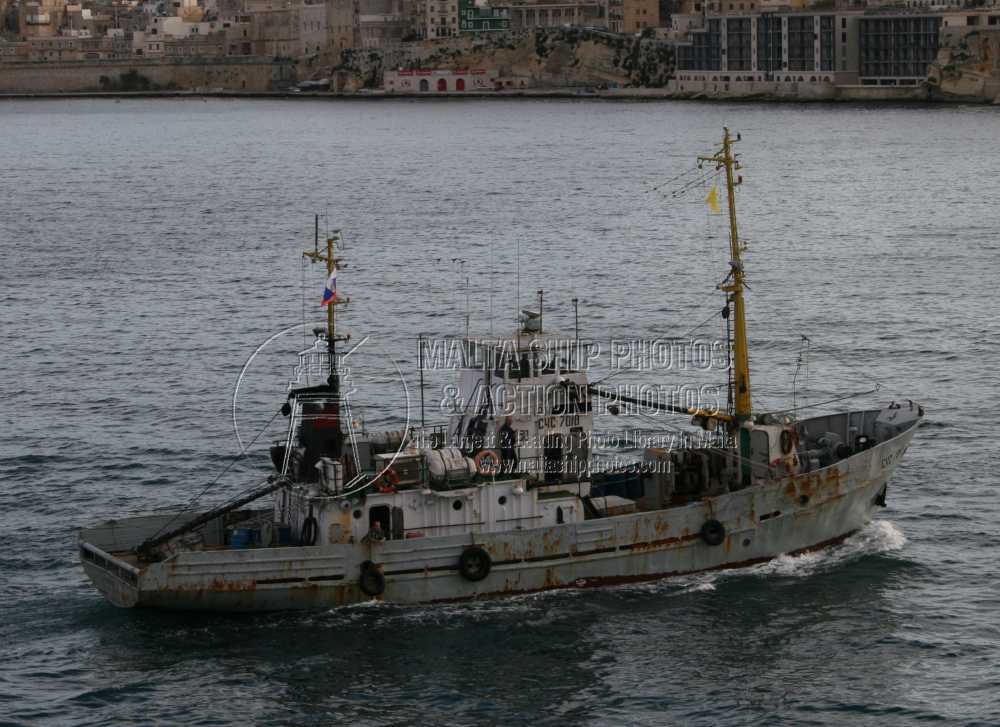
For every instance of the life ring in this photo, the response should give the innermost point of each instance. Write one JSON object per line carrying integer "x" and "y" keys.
{"x": 713, "y": 532}
{"x": 474, "y": 564}
{"x": 371, "y": 581}
{"x": 787, "y": 443}
{"x": 388, "y": 481}
{"x": 310, "y": 531}
{"x": 487, "y": 462}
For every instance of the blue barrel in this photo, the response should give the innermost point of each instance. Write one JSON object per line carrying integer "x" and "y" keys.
{"x": 240, "y": 538}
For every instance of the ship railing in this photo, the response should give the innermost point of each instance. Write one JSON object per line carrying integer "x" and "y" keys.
{"x": 108, "y": 563}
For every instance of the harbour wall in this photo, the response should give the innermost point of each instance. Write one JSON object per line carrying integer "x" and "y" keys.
{"x": 776, "y": 91}
{"x": 252, "y": 75}
{"x": 264, "y": 78}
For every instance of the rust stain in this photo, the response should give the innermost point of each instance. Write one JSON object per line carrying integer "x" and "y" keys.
{"x": 550, "y": 579}
{"x": 507, "y": 551}
{"x": 658, "y": 544}
{"x": 220, "y": 584}
{"x": 807, "y": 487}
{"x": 615, "y": 580}
{"x": 551, "y": 543}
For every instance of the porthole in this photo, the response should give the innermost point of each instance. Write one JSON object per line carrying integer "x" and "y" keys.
{"x": 457, "y": 505}
{"x": 358, "y": 514}
{"x": 502, "y": 499}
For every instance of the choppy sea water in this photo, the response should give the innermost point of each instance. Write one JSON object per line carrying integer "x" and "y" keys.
{"x": 151, "y": 246}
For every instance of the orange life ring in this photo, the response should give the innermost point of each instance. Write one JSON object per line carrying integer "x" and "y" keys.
{"x": 487, "y": 462}
{"x": 387, "y": 481}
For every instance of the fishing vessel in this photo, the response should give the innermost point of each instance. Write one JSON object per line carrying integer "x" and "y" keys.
{"x": 503, "y": 500}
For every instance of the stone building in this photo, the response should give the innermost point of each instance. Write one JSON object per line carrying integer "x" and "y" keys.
{"x": 211, "y": 45}
{"x": 556, "y": 14}
{"x": 441, "y": 81}
{"x": 637, "y": 15}
{"x": 276, "y": 28}
{"x": 381, "y": 23}
{"x": 40, "y": 18}
{"x": 441, "y": 18}
{"x": 343, "y": 25}
{"x": 312, "y": 28}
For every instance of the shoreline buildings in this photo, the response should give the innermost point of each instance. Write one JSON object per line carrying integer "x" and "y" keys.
{"x": 715, "y": 46}
{"x": 846, "y": 47}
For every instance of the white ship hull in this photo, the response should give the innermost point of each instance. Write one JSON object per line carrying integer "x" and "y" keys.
{"x": 789, "y": 515}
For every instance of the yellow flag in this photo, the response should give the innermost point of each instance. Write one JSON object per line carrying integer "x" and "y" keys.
{"x": 713, "y": 200}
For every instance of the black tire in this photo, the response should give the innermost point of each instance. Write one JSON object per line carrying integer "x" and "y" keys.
{"x": 371, "y": 581}
{"x": 310, "y": 531}
{"x": 474, "y": 564}
{"x": 880, "y": 497}
{"x": 713, "y": 532}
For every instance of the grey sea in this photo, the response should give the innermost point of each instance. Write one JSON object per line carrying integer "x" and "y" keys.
{"x": 151, "y": 247}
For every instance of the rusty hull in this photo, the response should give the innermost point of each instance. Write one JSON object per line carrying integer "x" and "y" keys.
{"x": 791, "y": 515}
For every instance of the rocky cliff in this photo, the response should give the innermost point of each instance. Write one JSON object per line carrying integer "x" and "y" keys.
{"x": 554, "y": 58}
{"x": 967, "y": 66}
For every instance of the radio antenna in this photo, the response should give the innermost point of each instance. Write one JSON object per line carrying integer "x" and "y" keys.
{"x": 517, "y": 285}
{"x": 491, "y": 291}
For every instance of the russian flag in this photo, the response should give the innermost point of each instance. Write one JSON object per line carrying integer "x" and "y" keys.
{"x": 330, "y": 294}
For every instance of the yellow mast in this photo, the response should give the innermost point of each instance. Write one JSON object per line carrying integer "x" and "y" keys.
{"x": 331, "y": 308}
{"x": 733, "y": 286}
